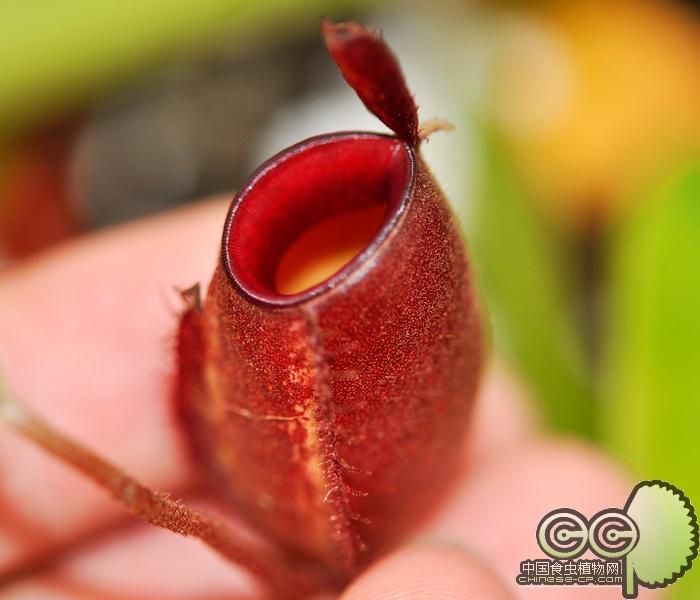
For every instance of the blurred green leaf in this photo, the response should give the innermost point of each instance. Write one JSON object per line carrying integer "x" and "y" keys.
{"x": 54, "y": 55}
{"x": 522, "y": 271}
{"x": 652, "y": 393}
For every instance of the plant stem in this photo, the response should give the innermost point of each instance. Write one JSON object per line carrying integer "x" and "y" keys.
{"x": 284, "y": 577}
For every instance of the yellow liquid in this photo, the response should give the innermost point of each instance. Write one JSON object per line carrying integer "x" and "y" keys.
{"x": 324, "y": 249}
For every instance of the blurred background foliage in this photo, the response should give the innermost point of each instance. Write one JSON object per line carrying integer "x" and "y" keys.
{"x": 574, "y": 167}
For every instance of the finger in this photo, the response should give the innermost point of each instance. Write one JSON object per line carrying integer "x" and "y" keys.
{"x": 504, "y": 414}
{"x": 91, "y": 329}
{"x": 428, "y": 571}
{"x": 500, "y": 501}
{"x": 140, "y": 562}
{"x": 86, "y": 336}
{"x": 95, "y": 361}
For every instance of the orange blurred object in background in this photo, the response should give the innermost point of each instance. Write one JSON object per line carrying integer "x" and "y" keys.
{"x": 597, "y": 98}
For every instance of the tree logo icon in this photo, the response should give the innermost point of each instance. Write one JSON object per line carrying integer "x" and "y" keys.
{"x": 668, "y": 536}
{"x": 651, "y": 542}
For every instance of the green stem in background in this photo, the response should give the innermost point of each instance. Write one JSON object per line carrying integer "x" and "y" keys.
{"x": 524, "y": 276}
{"x": 651, "y": 399}
{"x": 55, "y": 56}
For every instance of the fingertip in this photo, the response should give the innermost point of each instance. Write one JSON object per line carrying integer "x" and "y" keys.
{"x": 504, "y": 415}
{"x": 498, "y": 505}
{"x": 441, "y": 572}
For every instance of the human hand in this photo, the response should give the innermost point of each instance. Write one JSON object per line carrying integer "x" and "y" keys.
{"x": 86, "y": 334}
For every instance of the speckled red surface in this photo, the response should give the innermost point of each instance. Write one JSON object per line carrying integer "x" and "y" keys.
{"x": 333, "y": 418}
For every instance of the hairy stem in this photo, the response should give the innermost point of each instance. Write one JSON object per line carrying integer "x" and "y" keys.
{"x": 284, "y": 577}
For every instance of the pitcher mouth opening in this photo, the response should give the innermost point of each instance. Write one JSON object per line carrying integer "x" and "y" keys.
{"x": 340, "y": 178}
